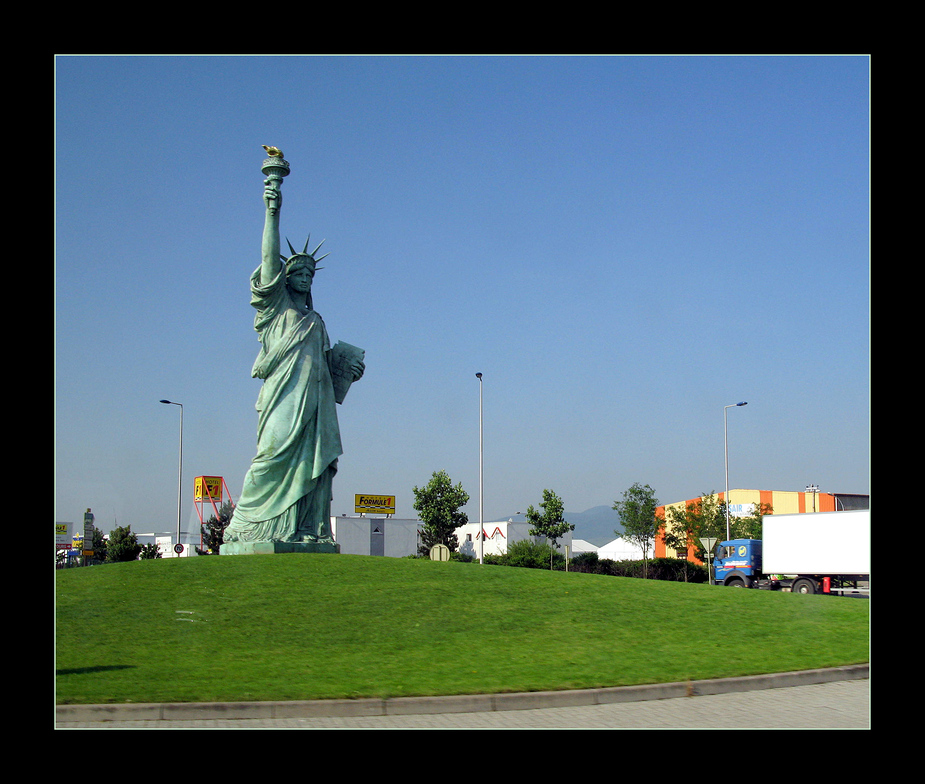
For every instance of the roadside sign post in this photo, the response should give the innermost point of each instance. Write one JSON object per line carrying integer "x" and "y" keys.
{"x": 709, "y": 542}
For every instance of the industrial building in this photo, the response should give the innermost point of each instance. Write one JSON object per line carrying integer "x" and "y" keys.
{"x": 387, "y": 536}
{"x": 743, "y": 503}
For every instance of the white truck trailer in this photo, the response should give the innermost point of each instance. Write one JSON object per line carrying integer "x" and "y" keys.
{"x": 823, "y": 552}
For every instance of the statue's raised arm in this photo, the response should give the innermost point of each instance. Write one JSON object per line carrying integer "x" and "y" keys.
{"x": 271, "y": 261}
{"x": 275, "y": 167}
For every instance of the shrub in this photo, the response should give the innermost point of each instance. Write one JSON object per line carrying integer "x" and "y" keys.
{"x": 671, "y": 569}
{"x": 677, "y": 570}
{"x": 585, "y": 562}
{"x": 528, "y": 554}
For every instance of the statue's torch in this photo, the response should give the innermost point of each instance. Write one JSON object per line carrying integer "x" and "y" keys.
{"x": 275, "y": 168}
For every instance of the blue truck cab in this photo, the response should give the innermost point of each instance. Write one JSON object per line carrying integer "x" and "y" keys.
{"x": 737, "y": 563}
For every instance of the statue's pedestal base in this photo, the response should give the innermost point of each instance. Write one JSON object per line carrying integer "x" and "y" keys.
{"x": 268, "y": 548}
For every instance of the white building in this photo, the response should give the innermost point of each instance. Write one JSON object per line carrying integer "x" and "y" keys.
{"x": 376, "y": 536}
{"x": 580, "y": 546}
{"x": 620, "y": 549}
{"x": 399, "y": 538}
{"x": 498, "y": 536}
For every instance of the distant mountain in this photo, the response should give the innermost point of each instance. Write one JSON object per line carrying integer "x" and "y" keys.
{"x": 595, "y": 525}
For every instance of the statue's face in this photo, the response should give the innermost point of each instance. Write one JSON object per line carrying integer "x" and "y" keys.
{"x": 300, "y": 280}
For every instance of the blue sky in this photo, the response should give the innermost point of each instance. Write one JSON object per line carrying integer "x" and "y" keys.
{"x": 621, "y": 245}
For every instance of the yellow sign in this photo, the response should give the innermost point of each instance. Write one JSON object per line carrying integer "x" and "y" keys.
{"x": 208, "y": 487}
{"x": 382, "y": 504}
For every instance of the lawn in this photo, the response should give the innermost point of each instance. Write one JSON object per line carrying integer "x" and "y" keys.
{"x": 300, "y": 627}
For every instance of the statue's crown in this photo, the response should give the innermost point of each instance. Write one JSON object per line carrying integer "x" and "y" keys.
{"x": 304, "y": 257}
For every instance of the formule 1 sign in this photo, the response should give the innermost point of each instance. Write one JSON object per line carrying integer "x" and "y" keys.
{"x": 375, "y": 504}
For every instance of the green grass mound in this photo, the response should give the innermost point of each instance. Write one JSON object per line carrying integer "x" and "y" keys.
{"x": 302, "y": 627}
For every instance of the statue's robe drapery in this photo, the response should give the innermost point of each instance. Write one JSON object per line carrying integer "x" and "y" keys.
{"x": 287, "y": 491}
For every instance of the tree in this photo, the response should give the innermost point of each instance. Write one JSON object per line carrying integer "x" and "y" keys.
{"x": 97, "y": 544}
{"x": 551, "y": 523}
{"x": 701, "y": 517}
{"x": 123, "y": 545}
{"x": 641, "y": 524}
{"x": 213, "y": 529}
{"x": 149, "y": 552}
{"x": 438, "y": 506}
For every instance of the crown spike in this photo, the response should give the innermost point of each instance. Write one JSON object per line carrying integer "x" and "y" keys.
{"x": 290, "y": 246}
{"x": 305, "y": 249}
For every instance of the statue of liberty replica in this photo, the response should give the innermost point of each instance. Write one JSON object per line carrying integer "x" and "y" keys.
{"x": 285, "y": 503}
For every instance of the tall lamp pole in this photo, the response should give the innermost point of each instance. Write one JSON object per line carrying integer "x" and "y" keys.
{"x": 180, "y": 470}
{"x": 813, "y": 489}
{"x": 481, "y": 495}
{"x": 726, "y": 451}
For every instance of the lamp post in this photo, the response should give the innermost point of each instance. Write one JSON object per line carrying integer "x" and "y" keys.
{"x": 180, "y": 470}
{"x": 726, "y": 451}
{"x": 813, "y": 489}
{"x": 481, "y": 505}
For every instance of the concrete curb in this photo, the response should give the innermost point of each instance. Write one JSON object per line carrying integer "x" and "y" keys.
{"x": 406, "y": 706}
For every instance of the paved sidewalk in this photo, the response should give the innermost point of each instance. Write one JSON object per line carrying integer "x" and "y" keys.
{"x": 818, "y": 699}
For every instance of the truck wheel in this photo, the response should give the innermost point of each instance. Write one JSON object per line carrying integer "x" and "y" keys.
{"x": 736, "y": 582}
{"x": 803, "y": 586}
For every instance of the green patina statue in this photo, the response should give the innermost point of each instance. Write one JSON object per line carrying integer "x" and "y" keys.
{"x": 285, "y": 504}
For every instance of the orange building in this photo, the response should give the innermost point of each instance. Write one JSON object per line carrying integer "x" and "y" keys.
{"x": 744, "y": 502}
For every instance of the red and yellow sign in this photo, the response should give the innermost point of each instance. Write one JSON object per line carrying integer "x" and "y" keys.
{"x": 208, "y": 487}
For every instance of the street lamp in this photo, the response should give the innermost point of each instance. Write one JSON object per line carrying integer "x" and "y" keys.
{"x": 180, "y": 472}
{"x": 726, "y": 450}
{"x": 481, "y": 495}
{"x": 813, "y": 489}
